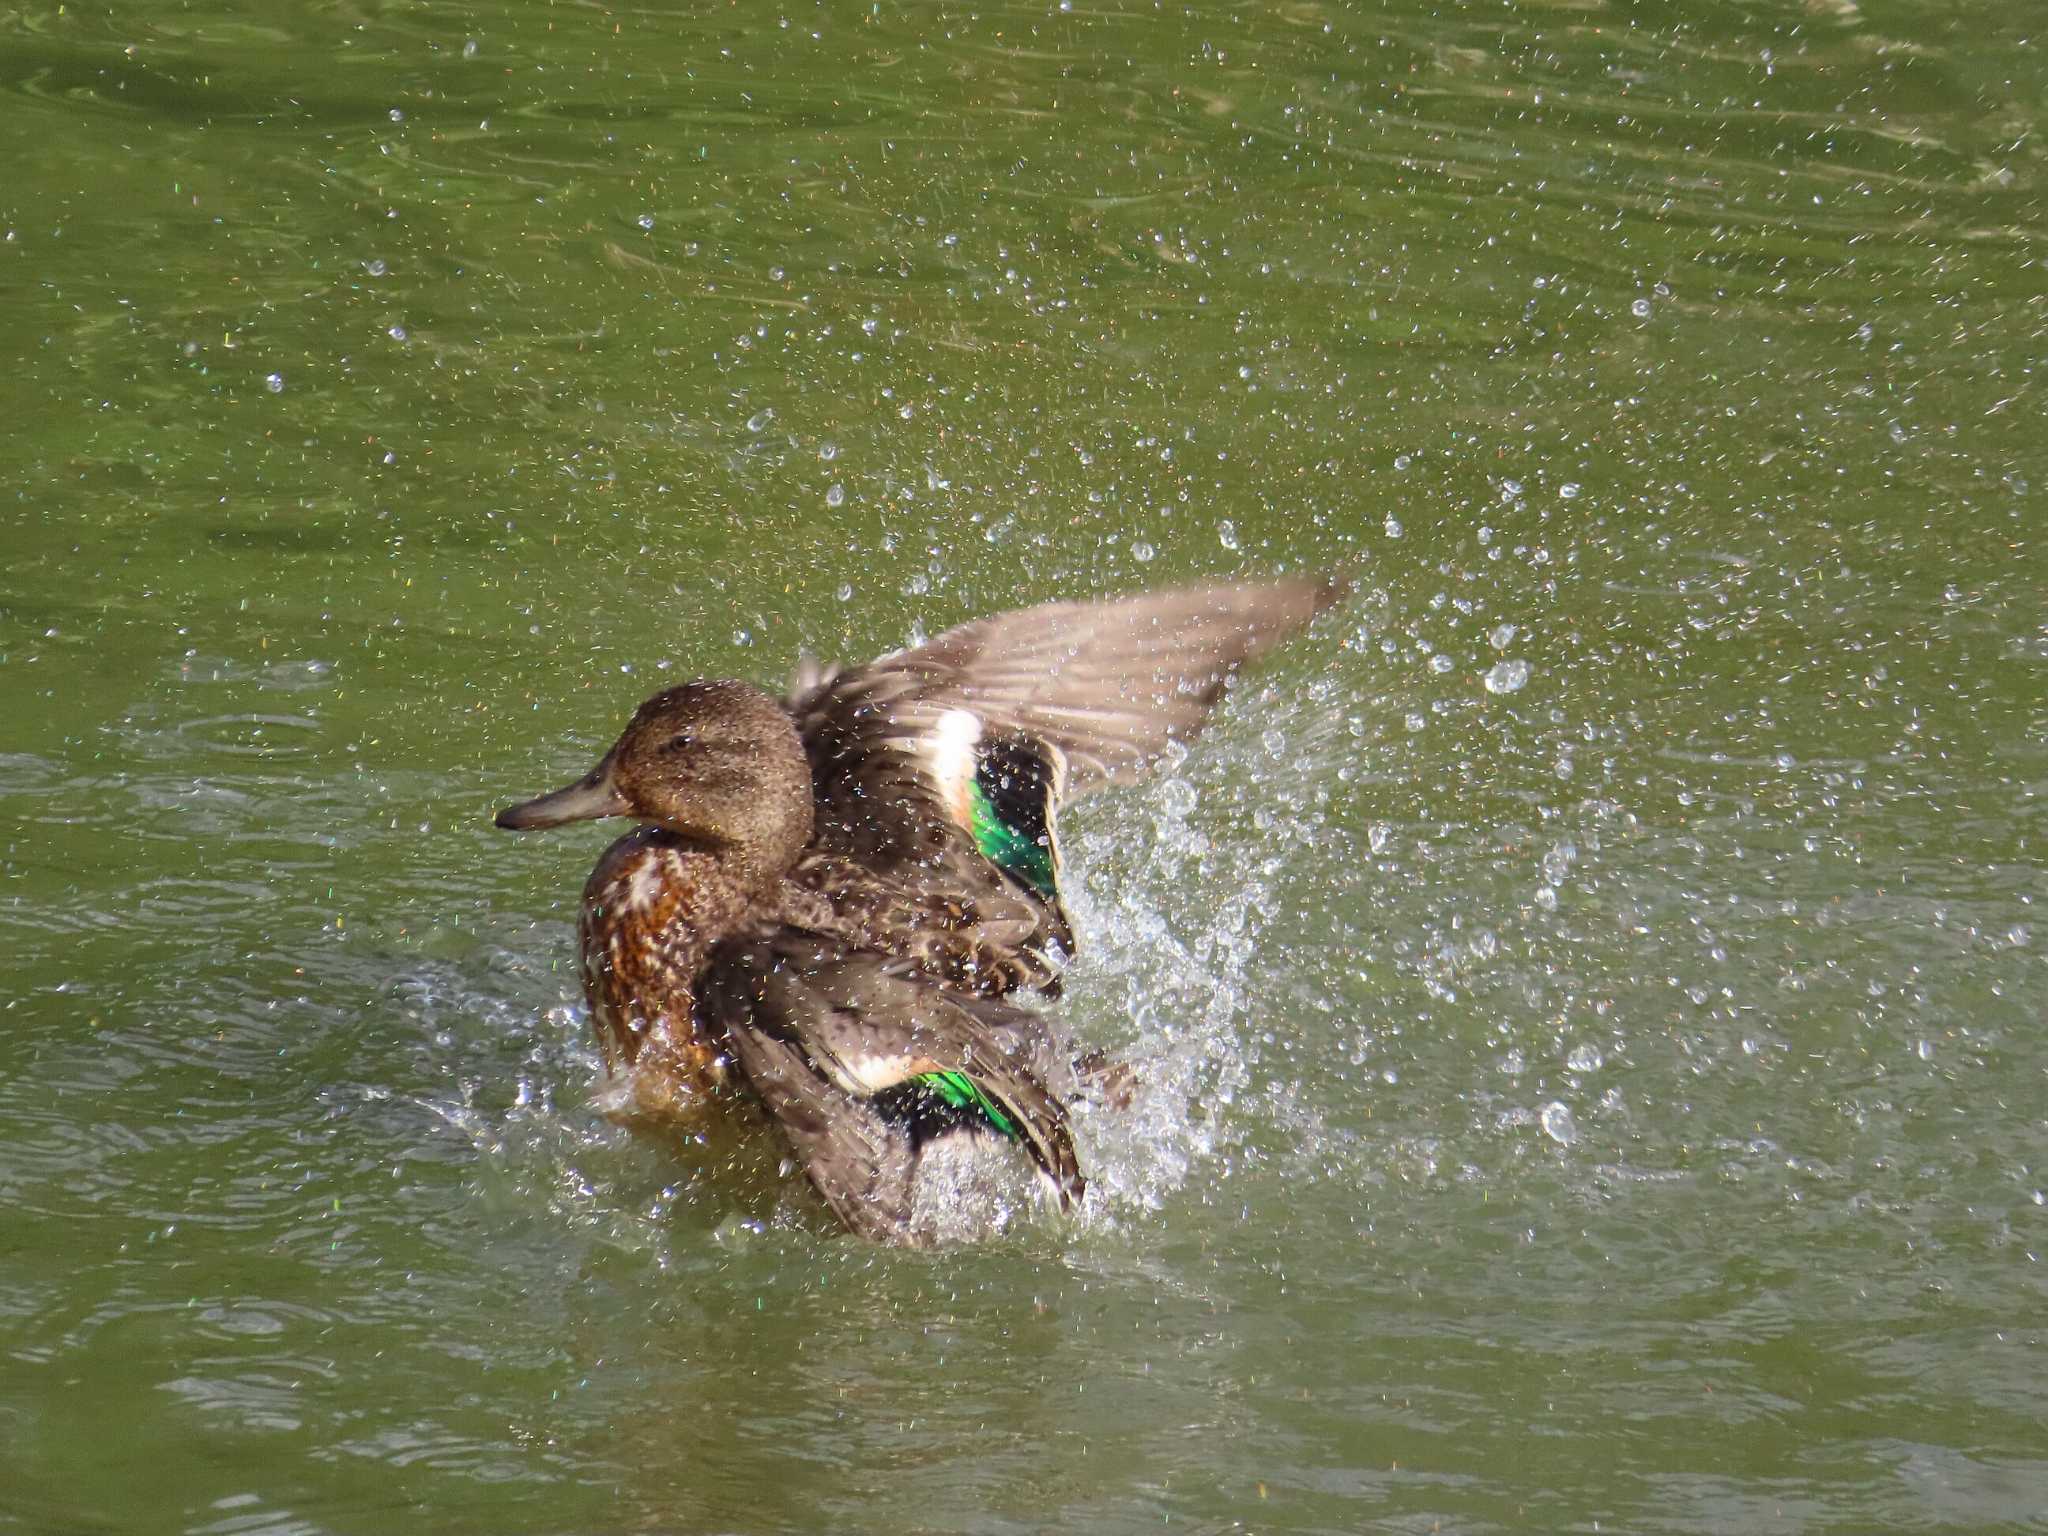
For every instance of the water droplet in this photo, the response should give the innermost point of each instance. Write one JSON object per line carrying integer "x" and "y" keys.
{"x": 396, "y": 115}
{"x": 1924, "y": 1049}
{"x": 469, "y": 48}
{"x": 1177, "y": 797}
{"x": 1640, "y": 309}
{"x": 1226, "y": 533}
{"x": 1142, "y": 552}
{"x": 375, "y": 266}
{"x": 835, "y": 496}
{"x": 1501, "y": 636}
{"x": 274, "y": 383}
{"x": 1585, "y": 1057}
{"x": 1514, "y": 1063}
{"x": 1558, "y": 1124}
{"x": 1393, "y": 526}
{"x": 828, "y": 451}
{"x": 1507, "y": 676}
{"x": 1415, "y": 723}
{"x": 645, "y": 221}
{"x": 1546, "y": 897}
{"x": 1378, "y": 836}
{"x": 758, "y": 422}
{"x": 396, "y": 333}
{"x": 1569, "y": 490}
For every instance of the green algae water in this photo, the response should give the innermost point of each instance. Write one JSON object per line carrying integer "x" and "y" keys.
{"x": 1586, "y": 998}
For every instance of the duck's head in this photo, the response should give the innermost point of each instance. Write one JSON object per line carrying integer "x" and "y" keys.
{"x": 718, "y": 762}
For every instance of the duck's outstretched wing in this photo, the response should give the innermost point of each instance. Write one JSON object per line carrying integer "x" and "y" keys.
{"x": 856, "y": 1057}
{"x": 986, "y": 729}
{"x": 1108, "y": 683}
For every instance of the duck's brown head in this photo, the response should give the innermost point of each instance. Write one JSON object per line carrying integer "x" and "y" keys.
{"x": 718, "y": 762}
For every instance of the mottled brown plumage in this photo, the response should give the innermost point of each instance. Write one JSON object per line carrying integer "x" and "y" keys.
{"x": 833, "y": 895}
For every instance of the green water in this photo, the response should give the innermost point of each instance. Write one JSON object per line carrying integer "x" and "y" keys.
{"x": 1610, "y": 1099}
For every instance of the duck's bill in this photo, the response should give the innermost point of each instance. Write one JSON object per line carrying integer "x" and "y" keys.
{"x": 587, "y": 799}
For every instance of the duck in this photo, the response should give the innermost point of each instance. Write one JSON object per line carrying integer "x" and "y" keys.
{"x": 839, "y": 904}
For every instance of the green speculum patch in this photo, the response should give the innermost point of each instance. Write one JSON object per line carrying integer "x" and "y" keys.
{"x": 959, "y": 1091}
{"x": 1010, "y": 847}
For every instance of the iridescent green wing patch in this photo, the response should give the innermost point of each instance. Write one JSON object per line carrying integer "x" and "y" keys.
{"x": 1011, "y": 806}
{"x": 959, "y": 1091}
{"x": 1004, "y": 845}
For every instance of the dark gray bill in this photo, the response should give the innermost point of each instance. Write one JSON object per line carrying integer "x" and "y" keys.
{"x": 590, "y": 797}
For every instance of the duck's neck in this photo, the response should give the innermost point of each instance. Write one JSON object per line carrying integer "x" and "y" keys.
{"x": 652, "y": 910}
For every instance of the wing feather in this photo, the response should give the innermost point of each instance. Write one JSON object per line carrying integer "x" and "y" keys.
{"x": 1104, "y": 687}
{"x": 819, "y": 1030}
{"x": 1109, "y": 684}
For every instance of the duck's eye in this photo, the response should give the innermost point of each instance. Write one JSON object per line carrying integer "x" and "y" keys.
{"x": 682, "y": 741}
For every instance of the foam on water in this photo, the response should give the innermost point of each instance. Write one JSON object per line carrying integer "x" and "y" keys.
{"x": 1180, "y": 883}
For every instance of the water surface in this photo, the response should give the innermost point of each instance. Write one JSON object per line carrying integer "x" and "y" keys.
{"x": 1587, "y": 994}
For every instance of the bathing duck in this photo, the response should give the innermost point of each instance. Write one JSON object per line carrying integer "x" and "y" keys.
{"x": 834, "y": 899}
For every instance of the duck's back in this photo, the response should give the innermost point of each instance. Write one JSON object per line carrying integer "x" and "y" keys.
{"x": 951, "y": 911}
